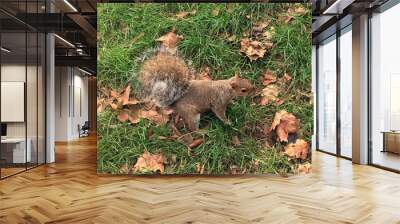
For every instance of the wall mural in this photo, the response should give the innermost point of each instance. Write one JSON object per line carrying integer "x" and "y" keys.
{"x": 204, "y": 89}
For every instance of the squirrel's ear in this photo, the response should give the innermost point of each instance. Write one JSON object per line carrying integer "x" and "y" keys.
{"x": 233, "y": 83}
{"x": 237, "y": 76}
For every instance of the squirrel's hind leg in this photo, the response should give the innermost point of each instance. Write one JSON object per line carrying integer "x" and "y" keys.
{"x": 193, "y": 121}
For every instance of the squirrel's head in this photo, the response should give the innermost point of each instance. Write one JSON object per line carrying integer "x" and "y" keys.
{"x": 242, "y": 87}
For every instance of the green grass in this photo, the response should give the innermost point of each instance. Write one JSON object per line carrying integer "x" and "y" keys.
{"x": 204, "y": 43}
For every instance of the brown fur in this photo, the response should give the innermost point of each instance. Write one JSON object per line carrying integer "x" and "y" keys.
{"x": 188, "y": 97}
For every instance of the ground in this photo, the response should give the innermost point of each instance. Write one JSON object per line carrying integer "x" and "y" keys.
{"x": 212, "y": 35}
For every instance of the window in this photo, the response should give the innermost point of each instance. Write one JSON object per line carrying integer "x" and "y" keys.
{"x": 346, "y": 92}
{"x": 385, "y": 89}
{"x": 327, "y": 95}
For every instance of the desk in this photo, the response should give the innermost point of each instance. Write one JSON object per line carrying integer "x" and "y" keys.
{"x": 391, "y": 141}
{"x": 13, "y": 150}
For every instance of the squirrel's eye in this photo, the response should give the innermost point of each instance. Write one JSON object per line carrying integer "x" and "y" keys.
{"x": 244, "y": 90}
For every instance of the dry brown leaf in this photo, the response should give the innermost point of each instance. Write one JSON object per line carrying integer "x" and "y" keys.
{"x": 284, "y": 123}
{"x": 124, "y": 98}
{"x": 170, "y": 40}
{"x": 123, "y": 116}
{"x": 196, "y": 143}
{"x": 232, "y": 38}
{"x": 234, "y": 169}
{"x": 123, "y": 28}
{"x": 279, "y": 102}
{"x": 253, "y": 49}
{"x": 200, "y": 168}
{"x": 205, "y": 73}
{"x": 287, "y": 77}
{"x": 268, "y": 78}
{"x": 229, "y": 7}
{"x": 300, "y": 10}
{"x": 304, "y": 168}
{"x": 259, "y": 27}
{"x": 269, "y": 94}
{"x": 154, "y": 116}
{"x": 125, "y": 168}
{"x": 150, "y": 162}
{"x": 181, "y": 15}
{"x": 297, "y": 150}
{"x": 215, "y": 12}
{"x": 101, "y": 104}
{"x": 236, "y": 140}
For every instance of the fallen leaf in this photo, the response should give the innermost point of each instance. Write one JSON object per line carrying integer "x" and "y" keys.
{"x": 200, "y": 168}
{"x": 125, "y": 168}
{"x": 150, "y": 162}
{"x": 284, "y": 123}
{"x": 205, "y": 73}
{"x": 300, "y": 10}
{"x": 125, "y": 98}
{"x": 101, "y": 104}
{"x": 236, "y": 140}
{"x": 229, "y": 7}
{"x": 297, "y": 150}
{"x": 269, "y": 94}
{"x": 154, "y": 116}
{"x": 170, "y": 40}
{"x": 234, "y": 169}
{"x": 196, "y": 143}
{"x": 287, "y": 19}
{"x": 181, "y": 15}
{"x": 304, "y": 168}
{"x": 279, "y": 102}
{"x": 268, "y": 78}
{"x": 253, "y": 49}
{"x": 123, "y": 28}
{"x": 123, "y": 116}
{"x": 259, "y": 26}
{"x": 287, "y": 77}
{"x": 215, "y": 12}
{"x": 232, "y": 38}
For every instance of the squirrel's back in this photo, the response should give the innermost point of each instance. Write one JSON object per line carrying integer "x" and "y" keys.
{"x": 164, "y": 78}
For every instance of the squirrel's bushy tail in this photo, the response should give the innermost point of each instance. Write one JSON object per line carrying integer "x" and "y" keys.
{"x": 164, "y": 78}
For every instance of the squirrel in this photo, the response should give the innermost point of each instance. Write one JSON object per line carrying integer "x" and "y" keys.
{"x": 166, "y": 80}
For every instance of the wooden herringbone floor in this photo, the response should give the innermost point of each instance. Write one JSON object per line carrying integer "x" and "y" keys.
{"x": 69, "y": 191}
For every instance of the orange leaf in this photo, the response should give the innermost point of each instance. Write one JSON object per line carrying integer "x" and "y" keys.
{"x": 124, "y": 168}
{"x": 253, "y": 49}
{"x": 269, "y": 78}
{"x": 181, "y": 15}
{"x": 304, "y": 168}
{"x": 285, "y": 123}
{"x": 297, "y": 150}
{"x": 269, "y": 93}
{"x": 287, "y": 77}
{"x": 205, "y": 74}
{"x": 236, "y": 140}
{"x": 170, "y": 40}
{"x": 196, "y": 143}
{"x": 123, "y": 116}
{"x": 150, "y": 162}
{"x": 200, "y": 168}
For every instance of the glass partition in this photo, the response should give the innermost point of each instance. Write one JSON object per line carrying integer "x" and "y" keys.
{"x": 385, "y": 89}
{"x": 22, "y": 100}
{"x": 327, "y": 95}
{"x": 346, "y": 92}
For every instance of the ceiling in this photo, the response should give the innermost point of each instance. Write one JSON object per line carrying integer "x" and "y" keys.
{"x": 74, "y": 22}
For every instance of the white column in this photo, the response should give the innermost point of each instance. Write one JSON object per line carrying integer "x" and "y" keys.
{"x": 360, "y": 90}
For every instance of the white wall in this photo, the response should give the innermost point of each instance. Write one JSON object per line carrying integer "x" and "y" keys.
{"x": 69, "y": 82}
